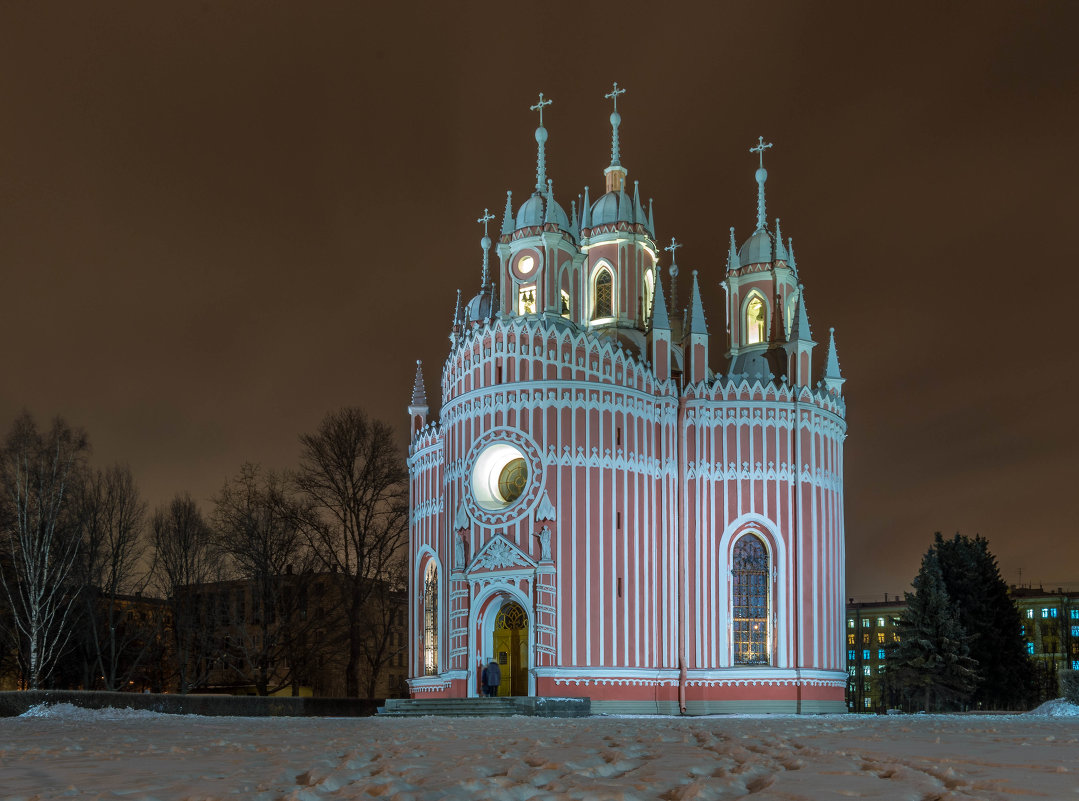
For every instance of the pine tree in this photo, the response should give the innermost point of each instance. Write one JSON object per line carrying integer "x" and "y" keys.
{"x": 986, "y": 612}
{"x": 931, "y": 664}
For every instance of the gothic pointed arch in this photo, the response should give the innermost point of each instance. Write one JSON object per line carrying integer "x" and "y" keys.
{"x": 602, "y": 291}
{"x": 751, "y": 601}
{"x": 754, "y": 318}
{"x": 430, "y": 619}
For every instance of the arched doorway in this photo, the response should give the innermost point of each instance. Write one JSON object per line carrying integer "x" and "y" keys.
{"x": 510, "y": 648}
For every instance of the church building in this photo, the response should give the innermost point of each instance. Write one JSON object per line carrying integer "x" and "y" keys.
{"x": 622, "y": 499}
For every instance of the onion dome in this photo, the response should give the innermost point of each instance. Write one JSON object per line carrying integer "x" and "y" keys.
{"x": 483, "y": 306}
{"x": 757, "y": 249}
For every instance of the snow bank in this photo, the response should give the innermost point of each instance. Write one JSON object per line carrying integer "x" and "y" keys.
{"x": 72, "y": 712}
{"x": 1058, "y": 708}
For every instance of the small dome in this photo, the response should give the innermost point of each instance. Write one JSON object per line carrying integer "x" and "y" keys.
{"x": 531, "y": 212}
{"x": 481, "y": 307}
{"x": 757, "y": 249}
{"x": 605, "y": 210}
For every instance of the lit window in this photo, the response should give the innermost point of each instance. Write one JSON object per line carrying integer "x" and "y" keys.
{"x": 880, "y": 653}
{"x": 565, "y": 303}
{"x": 1030, "y": 613}
{"x": 750, "y": 590}
{"x": 850, "y": 622}
{"x": 880, "y": 668}
{"x": 850, "y": 639}
{"x": 867, "y": 670}
{"x": 604, "y": 295}
{"x": 852, "y": 670}
{"x": 868, "y": 703}
{"x": 1030, "y": 648}
{"x": 1075, "y": 631}
{"x": 880, "y": 622}
{"x": 754, "y": 321}
{"x": 851, "y": 655}
{"x": 526, "y": 300}
{"x": 865, "y": 655}
{"x": 865, "y": 623}
{"x": 880, "y": 637}
{"x": 1075, "y": 664}
{"x": 1075, "y": 614}
{"x": 1045, "y": 612}
{"x": 1053, "y": 612}
{"x": 525, "y": 265}
{"x": 865, "y": 639}
{"x": 430, "y": 620}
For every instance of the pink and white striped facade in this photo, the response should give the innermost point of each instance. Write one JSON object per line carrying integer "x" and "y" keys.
{"x": 645, "y": 467}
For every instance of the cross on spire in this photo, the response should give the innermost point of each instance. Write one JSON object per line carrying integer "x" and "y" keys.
{"x": 487, "y": 217}
{"x": 760, "y": 148}
{"x": 614, "y": 93}
{"x": 675, "y": 244}
{"x": 539, "y": 106}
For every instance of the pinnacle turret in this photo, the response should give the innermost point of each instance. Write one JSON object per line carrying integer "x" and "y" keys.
{"x": 732, "y": 256}
{"x": 419, "y": 394}
{"x": 831, "y": 363}
{"x": 697, "y": 324}
{"x": 800, "y": 331}
{"x": 507, "y": 215}
{"x": 659, "y": 319}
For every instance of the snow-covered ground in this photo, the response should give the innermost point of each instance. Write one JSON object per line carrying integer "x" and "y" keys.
{"x": 65, "y": 752}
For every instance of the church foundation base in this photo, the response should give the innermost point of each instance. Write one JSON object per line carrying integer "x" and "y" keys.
{"x": 612, "y": 707}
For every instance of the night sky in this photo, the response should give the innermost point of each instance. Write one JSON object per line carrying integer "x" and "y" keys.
{"x": 219, "y": 222}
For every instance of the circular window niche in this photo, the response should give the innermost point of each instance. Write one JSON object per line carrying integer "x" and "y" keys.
{"x": 499, "y": 476}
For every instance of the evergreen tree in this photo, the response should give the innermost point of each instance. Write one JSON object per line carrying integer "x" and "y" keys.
{"x": 931, "y": 664}
{"x": 986, "y": 612}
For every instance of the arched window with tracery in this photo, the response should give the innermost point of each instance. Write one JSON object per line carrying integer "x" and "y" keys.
{"x": 750, "y": 602}
{"x": 430, "y": 620}
{"x": 604, "y": 295}
{"x": 755, "y": 322}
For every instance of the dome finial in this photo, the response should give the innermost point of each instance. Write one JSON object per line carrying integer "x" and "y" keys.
{"x": 541, "y": 138}
{"x": 673, "y": 270}
{"x": 485, "y": 243}
{"x": 616, "y": 119}
{"x": 762, "y": 176}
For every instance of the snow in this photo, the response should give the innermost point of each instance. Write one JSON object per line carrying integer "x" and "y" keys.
{"x": 66, "y": 752}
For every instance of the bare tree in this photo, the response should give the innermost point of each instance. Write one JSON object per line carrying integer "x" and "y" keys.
{"x": 39, "y": 539}
{"x": 184, "y": 559}
{"x": 385, "y": 642}
{"x": 113, "y": 520}
{"x": 257, "y": 530}
{"x": 355, "y": 483}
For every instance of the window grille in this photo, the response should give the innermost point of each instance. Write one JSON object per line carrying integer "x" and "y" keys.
{"x": 750, "y": 602}
{"x": 430, "y": 621}
{"x": 604, "y": 295}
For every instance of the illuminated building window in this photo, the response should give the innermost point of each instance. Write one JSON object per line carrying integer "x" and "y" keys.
{"x": 850, "y": 622}
{"x": 430, "y": 620}
{"x": 649, "y": 291}
{"x": 1030, "y": 648}
{"x": 852, "y": 670}
{"x": 1075, "y": 631}
{"x": 750, "y": 602}
{"x": 866, "y": 623}
{"x": 755, "y": 320}
{"x": 526, "y": 300}
{"x": 603, "y": 291}
{"x": 868, "y": 703}
{"x": 1075, "y": 664}
{"x": 865, "y": 654}
{"x": 1030, "y": 613}
{"x": 851, "y": 656}
{"x": 880, "y": 653}
{"x": 1053, "y": 612}
{"x": 880, "y": 636}
{"x": 880, "y": 622}
{"x": 1045, "y": 612}
{"x": 880, "y": 669}
{"x": 565, "y": 304}
{"x": 1075, "y": 614}
{"x": 850, "y": 639}
{"x": 865, "y": 639}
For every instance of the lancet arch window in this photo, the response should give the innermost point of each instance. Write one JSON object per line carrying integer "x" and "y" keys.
{"x": 751, "y": 601}
{"x": 756, "y": 319}
{"x": 430, "y": 620}
{"x": 649, "y": 292}
{"x": 603, "y": 294}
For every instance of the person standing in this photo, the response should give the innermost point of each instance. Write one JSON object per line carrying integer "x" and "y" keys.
{"x": 494, "y": 678}
{"x": 485, "y": 688}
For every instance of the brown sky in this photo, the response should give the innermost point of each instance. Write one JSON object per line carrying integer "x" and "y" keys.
{"x": 220, "y": 221}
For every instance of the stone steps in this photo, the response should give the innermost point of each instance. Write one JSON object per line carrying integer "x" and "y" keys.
{"x": 487, "y": 707}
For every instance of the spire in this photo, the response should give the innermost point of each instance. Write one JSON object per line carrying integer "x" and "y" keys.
{"x": 800, "y": 325}
{"x": 616, "y": 120}
{"x": 625, "y": 213}
{"x": 573, "y": 220}
{"x": 674, "y": 272}
{"x": 485, "y": 243}
{"x": 697, "y": 324}
{"x": 659, "y": 319}
{"x": 457, "y": 310}
{"x": 638, "y": 209}
{"x": 762, "y": 176}
{"x": 651, "y": 220}
{"x": 548, "y": 216}
{"x": 732, "y": 256}
{"x": 586, "y": 211}
{"x": 790, "y": 255}
{"x": 541, "y": 139}
{"x": 832, "y": 377}
{"x": 507, "y": 215}
{"x": 781, "y": 252}
{"x": 419, "y": 395}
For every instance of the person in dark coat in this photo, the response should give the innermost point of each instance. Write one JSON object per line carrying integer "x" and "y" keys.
{"x": 494, "y": 677}
{"x": 484, "y": 686}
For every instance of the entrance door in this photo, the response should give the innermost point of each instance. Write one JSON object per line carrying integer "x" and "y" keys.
{"x": 511, "y": 649}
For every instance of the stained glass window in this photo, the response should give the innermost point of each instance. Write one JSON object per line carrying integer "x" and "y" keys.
{"x": 604, "y": 294}
{"x": 430, "y": 620}
{"x": 750, "y": 583}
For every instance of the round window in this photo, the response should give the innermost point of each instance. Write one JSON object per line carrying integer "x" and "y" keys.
{"x": 525, "y": 265}
{"x": 499, "y": 476}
